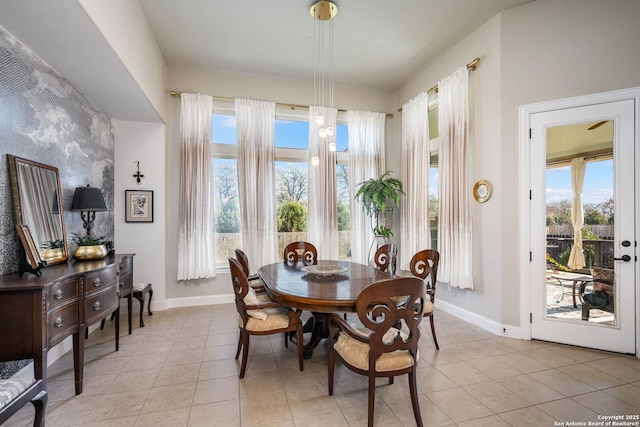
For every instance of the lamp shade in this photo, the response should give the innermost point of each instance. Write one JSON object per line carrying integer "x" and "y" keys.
{"x": 88, "y": 199}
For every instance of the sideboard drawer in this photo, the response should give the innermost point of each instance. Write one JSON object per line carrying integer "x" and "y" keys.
{"x": 62, "y": 322}
{"x": 101, "y": 279}
{"x": 62, "y": 291}
{"x": 99, "y": 305}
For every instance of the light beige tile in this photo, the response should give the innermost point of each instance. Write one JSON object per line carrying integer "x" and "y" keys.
{"x": 431, "y": 379}
{"x": 568, "y": 409}
{"x": 216, "y": 390}
{"x": 530, "y": 389}
{"x": 459, "y": 405}
{"x": 612, "y": 367}
{"x": 462, "y": 373}
{"x": 430, "y": 413}
{"x": 593, "y": 377}
{"x": 491, "y": 421}
{"x": 169, "y": 397}
{"x": 116, "y": 422}
{"x": 226, "y": 413}
{"x": 177, "y": 374}
{"x": 521, "y": 362}
{"x": 627, "y": 393}
{"x": 496, "y": 397}
{"x": 605, "y": 404}
{"x": 219, "y": 352}
{"x": 561, "y": 382}
{"x": 218, "y": 369}
{"x": 528, "y": 417}
{"x": 550, "y": 357}
{"x": 134, "y": 380}
{"x": 490, "y": 368}
{"x": 264, "y": 409}
{"x": 184, "y": 356}
{"x": 172, "y": 418}
{"x": 118, "y": 405}
{"x": 326, "y": 419}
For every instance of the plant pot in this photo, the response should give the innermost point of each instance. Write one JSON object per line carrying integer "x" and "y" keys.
{"x": 54, "y": 253}
{"x": 88, "y": 253}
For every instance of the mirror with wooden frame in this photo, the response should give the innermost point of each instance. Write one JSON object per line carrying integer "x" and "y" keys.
{"x": 36, "y": 197}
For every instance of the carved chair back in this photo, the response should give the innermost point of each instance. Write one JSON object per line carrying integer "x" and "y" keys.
{"x": 378, "y": 310}
{"x": 385, "y": 258}
{"x": 424, "y": 265}
{"x": 304, "y": 252}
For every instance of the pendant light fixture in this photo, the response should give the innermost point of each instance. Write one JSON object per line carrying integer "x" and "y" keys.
{"x": 323, "y": 13}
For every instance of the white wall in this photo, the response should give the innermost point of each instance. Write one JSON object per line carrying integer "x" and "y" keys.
{"x": 123, "y": 24}
{"x": 143, "y": 142}
{"x": 543, "y": 50}
{"x": 227, "y": 85}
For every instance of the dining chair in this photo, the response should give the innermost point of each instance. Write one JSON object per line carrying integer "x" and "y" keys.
{"x": 385, "y": 258}
{"x": 260, "y": 317}
{"x": 304, "y": 252}
{"x": 387, "y": 346}
{"x": 424, "y": 264}
{"x": 601, "y": 296}
{"x": 253, "y": 279}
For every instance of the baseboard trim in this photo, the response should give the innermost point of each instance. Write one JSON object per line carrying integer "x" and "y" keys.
{"x": 492, "y": 326}
{"x": 197, "y": 301}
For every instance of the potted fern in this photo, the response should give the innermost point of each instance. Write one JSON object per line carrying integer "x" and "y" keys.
{"x": 88, "y": 247}
{"x": 379, "y": 196}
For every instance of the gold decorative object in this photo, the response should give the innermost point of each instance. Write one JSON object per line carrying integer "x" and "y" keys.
{"x": 88, "y": 253}
{"x": 482, "y": 191}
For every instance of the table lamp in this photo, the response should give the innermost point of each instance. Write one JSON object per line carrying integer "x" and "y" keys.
{"x": 88, "y": 200}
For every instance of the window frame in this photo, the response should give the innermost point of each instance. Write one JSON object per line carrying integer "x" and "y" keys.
{"x": 229, "y": 151}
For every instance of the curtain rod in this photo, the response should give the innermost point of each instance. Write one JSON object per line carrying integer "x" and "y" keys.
{"x": 279, "y": 104}
{"x": 470, "y": 66}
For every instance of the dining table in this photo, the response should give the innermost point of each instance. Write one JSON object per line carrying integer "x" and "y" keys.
{"x": 329, "y": 287}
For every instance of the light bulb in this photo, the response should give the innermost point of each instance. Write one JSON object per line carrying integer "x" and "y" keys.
{"x": 315, "y": 161}
{"x": 330, "y": 131}
{"x": 323, "y": 132}
{"x": 319, "y": 118}
{"x": 332, "y": 146}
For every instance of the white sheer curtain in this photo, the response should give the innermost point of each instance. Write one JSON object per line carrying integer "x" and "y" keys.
{"x": 578, "y": 168}
{"x": 196, "y": 235}
{"x": 415, "y": 234}
{"x": 366, "y": 161}
{"x": 322, "y": 228}
{"x": 455, "y": 242}
{"x": 255, "y": 125}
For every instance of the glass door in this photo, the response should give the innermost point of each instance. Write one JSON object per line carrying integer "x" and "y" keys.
{"x": 583, "y": 253}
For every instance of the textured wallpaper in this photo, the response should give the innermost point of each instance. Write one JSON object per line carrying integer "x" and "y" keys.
{"x": 45, "y": 119}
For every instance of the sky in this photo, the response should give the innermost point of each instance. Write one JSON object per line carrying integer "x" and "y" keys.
{"x": 597, "y": 188}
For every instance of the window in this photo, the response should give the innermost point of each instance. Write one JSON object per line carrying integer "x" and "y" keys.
{"x": 291, "y": 168}
{"x": 433, "y": 176}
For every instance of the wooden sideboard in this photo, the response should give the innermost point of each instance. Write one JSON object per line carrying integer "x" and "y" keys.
{"x": 38, "y": 312}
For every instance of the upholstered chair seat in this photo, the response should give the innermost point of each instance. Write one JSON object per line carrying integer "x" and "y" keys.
{"x": 16, "y": 392}
{"x": 356, "y": 353}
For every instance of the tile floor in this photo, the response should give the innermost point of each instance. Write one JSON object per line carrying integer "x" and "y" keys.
{"x": 179, "y": 370}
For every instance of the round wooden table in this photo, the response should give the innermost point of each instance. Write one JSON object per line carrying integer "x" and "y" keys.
{"x": 292, "y": 287}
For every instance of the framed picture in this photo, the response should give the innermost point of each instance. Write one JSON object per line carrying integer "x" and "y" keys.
{"x": 138, "y": 205}
{"x": 30, "y": 249}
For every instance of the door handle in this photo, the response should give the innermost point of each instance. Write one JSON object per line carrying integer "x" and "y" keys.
{"x": 625, "y": 258}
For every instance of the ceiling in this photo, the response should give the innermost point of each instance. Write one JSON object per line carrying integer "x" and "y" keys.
{"x": 377, "y": 43}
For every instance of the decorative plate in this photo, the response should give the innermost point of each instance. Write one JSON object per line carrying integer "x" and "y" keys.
{"x": 482, "y": 191}
{"x": 324, "y": 270}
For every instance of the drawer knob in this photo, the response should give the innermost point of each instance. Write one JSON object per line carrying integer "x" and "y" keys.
{"x": 58, "y": 322}
{"x": 97, "y": 306}
{"x": 96, "y": 282}
{"x": 58, "y": 294}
